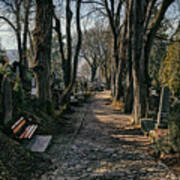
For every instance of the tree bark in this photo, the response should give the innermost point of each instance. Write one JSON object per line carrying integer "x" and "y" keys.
{"x": 137, "y": 67}
{"x": 93, "y": 73}
{"x": 142, "y": 38}
{"x": 114, "y": 21}
{"x": 149, "y": 38}
{"x": 42, "y": 48}
{"x": 113, "y": 79}
{"x": 107, "y": 76}
{"x": 66, "y": 93}
{"x": 129, "y": 81}
{"x": 122, "y": 59}
{"x": 25, "y": 35}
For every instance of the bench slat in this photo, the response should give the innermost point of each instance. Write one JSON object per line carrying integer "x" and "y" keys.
{"x": 32, "y": 132}
{"x": 18, "y": 127}
{"x": 28, "y": 131}
{"x": 17, "y": 122}
{"x": 24, "y": 132}
{"x": 22, "y": 135}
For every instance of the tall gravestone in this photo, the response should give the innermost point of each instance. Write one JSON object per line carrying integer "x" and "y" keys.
{"x": 164, "y": 105}
{"x": 7, "y": 100}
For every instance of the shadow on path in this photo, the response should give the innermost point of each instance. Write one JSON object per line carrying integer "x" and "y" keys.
{"x": 107, "y": 147}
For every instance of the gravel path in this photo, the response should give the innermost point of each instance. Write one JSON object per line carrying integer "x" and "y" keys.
{"x": 106, "y": 148}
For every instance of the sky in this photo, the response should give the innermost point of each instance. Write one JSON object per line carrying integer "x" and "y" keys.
{"x": 8, "y": 39}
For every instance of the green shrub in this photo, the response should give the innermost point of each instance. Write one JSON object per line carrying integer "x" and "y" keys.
{"x": 175, "y": 108}
{"x": 174, "y": 130}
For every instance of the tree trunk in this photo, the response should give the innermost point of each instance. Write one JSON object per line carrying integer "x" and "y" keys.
{"x": 138, "y": 65}
{"x": 93, "y": 73}
{"x": 129, "y": 81}
{"x": 148, "y": 42}
{"x": 106, "y": 75}
{"x": 108, "y": 80}
{"x": 68, "y": 64}
{"x": 129, "y": 98}
{"x": 119, "y": 79}
{"x": 114, "y": 22}
{"x": 66, "y": 93}
{"x": 142, "y": 38}
{"x": 42, "y": 48}
{"x": 113, "y": 80}
{"x": 19, "y": 40}
{"x": 67, "y": 73}
{"x": 121, "y": 63}
{"x": 24, "y": 62}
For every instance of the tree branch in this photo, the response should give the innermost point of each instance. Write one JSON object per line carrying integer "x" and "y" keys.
{"x": 9, "y": 23}
{"x": 68, "y": 31}
{"x": 160, "y": 15}
{"x": 148, "y": 13}
{"x": 59, "y": 33}
{"x": 79, "y": 42}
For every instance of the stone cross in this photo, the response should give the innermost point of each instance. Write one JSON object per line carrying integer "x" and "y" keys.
{"x": 164, "y": 105}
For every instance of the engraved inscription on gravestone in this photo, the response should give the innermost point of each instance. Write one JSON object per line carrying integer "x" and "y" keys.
{"x": 164, "y": 105}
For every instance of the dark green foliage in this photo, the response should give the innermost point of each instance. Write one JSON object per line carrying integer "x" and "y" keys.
{"x": 175, "y": 108}
{"x": 170, "y": 69}
{"x": 18, "y": 94}
{"x": 174, "y": 130}
{"x": 157, "y": 53}
{"x": 47, "y": 107}
{"x": 17, "y": 163}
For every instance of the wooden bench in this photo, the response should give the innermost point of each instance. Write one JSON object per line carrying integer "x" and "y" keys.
{"x": 22, "y": 129}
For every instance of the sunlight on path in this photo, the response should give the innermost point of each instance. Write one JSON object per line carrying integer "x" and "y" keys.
{"x": 107, "y": 147}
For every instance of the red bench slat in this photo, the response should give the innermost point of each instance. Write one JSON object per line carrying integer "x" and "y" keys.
{"x": 27, "y": 131}
{"x": 18, "y": 127}
{"x": 17, "y": 122}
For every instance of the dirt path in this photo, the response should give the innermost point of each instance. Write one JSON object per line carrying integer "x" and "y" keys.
{"x": 106, "y": 148}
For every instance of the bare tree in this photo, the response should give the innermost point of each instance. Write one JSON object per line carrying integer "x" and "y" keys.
{"x": 68, "y": 59}
{"x": 144, "y": 29}
{"x": 94, "y": 49}
{"x": 20, "y": 9}
{"x": 134, "y": 35}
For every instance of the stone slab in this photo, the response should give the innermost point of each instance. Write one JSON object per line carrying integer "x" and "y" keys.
{"x": 40, "y": 143}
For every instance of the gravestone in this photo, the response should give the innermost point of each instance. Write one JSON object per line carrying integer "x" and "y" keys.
{"x": 164, "y": 105}
{"x": 7, "y": 100}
